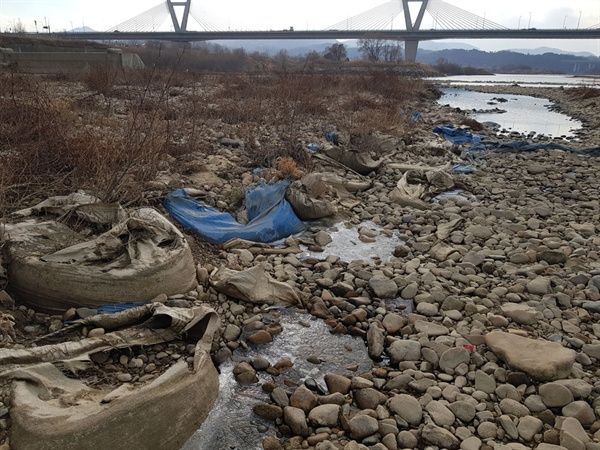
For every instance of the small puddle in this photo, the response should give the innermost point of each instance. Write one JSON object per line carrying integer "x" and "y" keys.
{"x": 232, "y": 424}
{"x": 346, "y": 244}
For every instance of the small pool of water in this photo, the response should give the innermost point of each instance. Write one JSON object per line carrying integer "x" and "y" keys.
{"x": 231, "y": 425}
{"x": 347, "y": 245}
{"x": 520, "y": 113}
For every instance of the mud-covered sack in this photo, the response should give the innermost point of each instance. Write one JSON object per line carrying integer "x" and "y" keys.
{"x": 358, "y": 161}
{"x": 50, "y": 410}
{"x": 307, "y": 197}
{"x": 253, "y": 285}
{"x": 52, "y": 267}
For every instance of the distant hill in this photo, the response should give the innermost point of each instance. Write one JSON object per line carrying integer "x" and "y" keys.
{"x": 543, "y": 50}
{"x": 82, "y": 30}
{"x": 437, "y": 46}
{"x": 515, "y": 62}
{"x": 294, "y": 47}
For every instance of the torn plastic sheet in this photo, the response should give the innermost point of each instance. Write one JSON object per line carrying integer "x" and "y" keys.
{"x": 454, "y": 195}
{"x": 51, "y": 410}
{"x": 476, "y": 151}
{"x": 457, "y": 135}
{"x": 270, "y": 216}
{"x": 415, "y": 184}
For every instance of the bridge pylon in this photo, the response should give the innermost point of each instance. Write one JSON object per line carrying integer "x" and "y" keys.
{"x": 179, "y": 26}
{"x": 411, "y": 45}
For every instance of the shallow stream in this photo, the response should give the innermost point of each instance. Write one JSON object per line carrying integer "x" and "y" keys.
{"x": 520, "y": 113}
{"x": 231, "y": 424}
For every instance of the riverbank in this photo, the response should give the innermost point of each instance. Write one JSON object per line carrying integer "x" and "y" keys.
{"x": 505, "y": 273}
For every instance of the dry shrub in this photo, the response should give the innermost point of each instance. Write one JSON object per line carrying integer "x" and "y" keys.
{"x": 50, "y": 146}
{"x": 101, "y": 79}
{"x": 286, "y": 167}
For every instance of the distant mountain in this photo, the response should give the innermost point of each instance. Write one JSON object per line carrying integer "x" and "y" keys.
{"x": 294, "y": 47}
{"x": 85, "y": 29}
{"x": 542, "y": 50}
{"x": 540, "y": 60}
{"x": 436, "y": 46}
{"x": 515, "y": 62}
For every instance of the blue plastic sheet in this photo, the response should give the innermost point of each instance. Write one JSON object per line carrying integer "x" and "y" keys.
{"x": 270, "y": 216}
{"x": 111, "y": 309}
{"x": 476, "y": 151}
{"x": 463, "y": 168}
{"x": 457, "y": 135}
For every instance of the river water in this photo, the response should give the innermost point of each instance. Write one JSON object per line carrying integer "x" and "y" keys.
{"x": 522, "y": 80}
{"x": 514, "y": 113}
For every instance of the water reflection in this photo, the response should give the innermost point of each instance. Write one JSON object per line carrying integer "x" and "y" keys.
{"x": 346, "y": 244}
{"x": 231, "y": 424}
{"x": 521, "y": 113}
{"x": 525, "y": 80}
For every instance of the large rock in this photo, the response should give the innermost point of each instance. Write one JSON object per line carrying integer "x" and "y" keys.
{"x": 404, "y": 351}
{"x": 439, "y": 436}
{"x": 407, "y": 407}
{"x": 383, "y": 287}
{"x": 324, "y": 415}
{"x": 541, "y": 360}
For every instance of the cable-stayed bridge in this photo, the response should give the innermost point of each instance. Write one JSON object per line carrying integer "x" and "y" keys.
{"x": 187, "y": 23}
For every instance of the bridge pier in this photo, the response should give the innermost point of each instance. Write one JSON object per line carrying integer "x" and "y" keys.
{"x": 410, "y": 50}
{"x": 411, "y": 45}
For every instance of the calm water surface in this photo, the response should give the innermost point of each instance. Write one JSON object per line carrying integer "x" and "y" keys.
{"x": 524, "y": 80}
{"x": 520, "y": 113}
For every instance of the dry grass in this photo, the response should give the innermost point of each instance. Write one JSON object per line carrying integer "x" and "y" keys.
{"x": 584, "y": 93}
{"x": 118, "y": 131}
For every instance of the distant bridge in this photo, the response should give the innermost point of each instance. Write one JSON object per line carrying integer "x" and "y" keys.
{"x": 450, "y": 22}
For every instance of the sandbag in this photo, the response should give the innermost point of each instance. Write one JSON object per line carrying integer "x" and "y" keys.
{"x": 253, "y": 285}
{"x": 415, "y": 184}
{"x": 52, "y": 267}
{"x": 52, "y": 411}
{"x": 360, "y": 162}
{"x": 306, "y": 197}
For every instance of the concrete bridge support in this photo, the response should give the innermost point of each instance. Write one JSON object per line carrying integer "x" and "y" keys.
{"x": 179, "y": 27}
{"x": 411, "y": 46}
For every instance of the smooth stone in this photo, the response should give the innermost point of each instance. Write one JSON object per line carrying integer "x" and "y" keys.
{"x": 555, "y": 395}
{"x": 541, "y": 360}
{"x": 324, "y": 415}
{"x": 528, "y": 427}
{"x": 439, "y": 436}
{"x": 362, "y": 426}
{"x": 407, "y": 407}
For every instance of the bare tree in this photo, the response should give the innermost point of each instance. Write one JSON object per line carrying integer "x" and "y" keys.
{"x": 336, "y": 52}
{"x": 371, "y": 48}
{"x": 392, "y": 52}
{"x": 282, "y": 59}
{"x": 19, "y": 27}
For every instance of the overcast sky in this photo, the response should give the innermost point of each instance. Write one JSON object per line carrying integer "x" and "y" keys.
{"x": 307, "y": 14}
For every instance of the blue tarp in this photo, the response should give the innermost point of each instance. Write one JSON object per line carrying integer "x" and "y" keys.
{"x": 457, "y": 135}
{"x": 524, "y": 146}
{"x": 270, "y": 216}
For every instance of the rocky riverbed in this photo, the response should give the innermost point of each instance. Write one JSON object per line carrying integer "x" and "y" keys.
{"x": 500, "y": 348}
